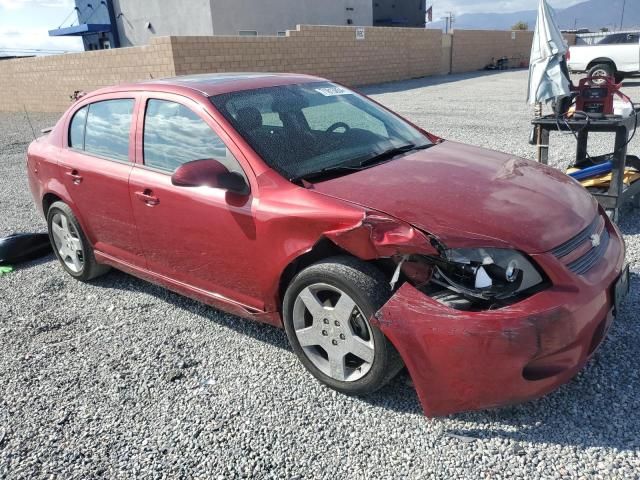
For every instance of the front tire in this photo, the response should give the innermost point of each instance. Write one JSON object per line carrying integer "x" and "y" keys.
{"x": 70, "y": 244}
{"x": 326, "y": 309}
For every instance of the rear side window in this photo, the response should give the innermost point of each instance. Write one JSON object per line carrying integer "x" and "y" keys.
{"x": 620, "y": 38}
{"x": 609, "y": 39}
{"x": 76, "y": 130}
{"x": 174, "y": 135}
{"x": 107, "y": 129}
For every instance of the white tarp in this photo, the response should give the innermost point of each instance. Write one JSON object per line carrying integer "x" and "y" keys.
{"x": 546, "y": 78}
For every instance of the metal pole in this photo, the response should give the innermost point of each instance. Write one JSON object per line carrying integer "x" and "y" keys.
{"x": 537, "y": 113}
{"x": 624, "y": 3}
{"x": 448, "y": 22}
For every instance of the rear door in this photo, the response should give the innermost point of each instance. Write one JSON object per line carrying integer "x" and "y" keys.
{"x": 95, "y": 170}
{"x": 200, "y": 236}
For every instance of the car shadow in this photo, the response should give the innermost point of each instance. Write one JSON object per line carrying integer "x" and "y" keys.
{"x": 404, "y": 85}
{"x": 118, "y": 280}
{"x": 399, "y": 395}
{"x": 598, "y": 417}
{"x": 50, "y": 257}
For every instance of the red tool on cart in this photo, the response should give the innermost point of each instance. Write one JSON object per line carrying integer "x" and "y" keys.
{"x": 595, "y": 96}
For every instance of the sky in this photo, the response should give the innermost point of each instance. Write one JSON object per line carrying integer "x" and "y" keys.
{"x": 459, "y": 7}
{"x": 24, "y": 23}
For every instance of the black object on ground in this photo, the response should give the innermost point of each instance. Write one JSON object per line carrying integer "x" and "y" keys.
{"x": 22, "y": 247}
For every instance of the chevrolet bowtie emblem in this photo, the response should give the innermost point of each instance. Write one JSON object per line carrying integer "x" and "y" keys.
{"x": 595, "y": 240}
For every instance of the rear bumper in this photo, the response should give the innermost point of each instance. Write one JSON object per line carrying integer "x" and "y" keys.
{"x": 462, "y": 361}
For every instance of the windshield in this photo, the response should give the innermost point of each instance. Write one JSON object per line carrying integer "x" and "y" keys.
{"x": 307, "y": 129}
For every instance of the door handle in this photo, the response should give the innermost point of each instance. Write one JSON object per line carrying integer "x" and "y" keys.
{"x": 76, "y": 178}
{"x": 147, "y": 197}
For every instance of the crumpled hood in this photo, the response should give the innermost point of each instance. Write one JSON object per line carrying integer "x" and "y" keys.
{"x": 469, "y": 196}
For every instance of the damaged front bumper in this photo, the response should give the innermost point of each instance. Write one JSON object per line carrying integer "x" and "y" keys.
{"x": 471, "y": 360}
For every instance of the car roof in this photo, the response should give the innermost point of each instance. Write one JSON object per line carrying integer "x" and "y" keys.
{"x": 210, "y": 84}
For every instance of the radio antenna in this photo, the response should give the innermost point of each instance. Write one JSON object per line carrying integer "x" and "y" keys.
{"x": 33, "y": 132}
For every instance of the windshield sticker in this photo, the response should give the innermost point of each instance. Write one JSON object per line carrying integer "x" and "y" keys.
{"x": 333, "y": 91}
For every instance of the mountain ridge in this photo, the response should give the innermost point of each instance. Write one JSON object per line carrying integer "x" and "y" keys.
{"x": 592, "y": 14}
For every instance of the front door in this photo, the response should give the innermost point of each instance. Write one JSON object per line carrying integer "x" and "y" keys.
{"x": 96, "y": 169}
{"x": 199, "y": 236}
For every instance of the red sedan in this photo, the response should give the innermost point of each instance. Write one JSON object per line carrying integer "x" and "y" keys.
{"x": 294, "y": 201}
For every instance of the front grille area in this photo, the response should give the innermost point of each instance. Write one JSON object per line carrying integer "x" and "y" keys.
{"x": 570, "y": 245}
{"x": 583, "y": 240}
{"x": 583, "y": 264}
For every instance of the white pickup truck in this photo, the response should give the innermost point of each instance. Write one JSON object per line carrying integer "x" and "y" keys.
{"x": 616, "y": 55}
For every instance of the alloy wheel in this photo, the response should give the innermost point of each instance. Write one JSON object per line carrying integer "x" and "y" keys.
{"x": 599, "y": 73}
{"x": 68, "y": 242}
{"x": 333, "y": 332}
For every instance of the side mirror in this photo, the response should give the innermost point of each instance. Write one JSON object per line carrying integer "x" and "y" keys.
{"x": 209, "y": 173}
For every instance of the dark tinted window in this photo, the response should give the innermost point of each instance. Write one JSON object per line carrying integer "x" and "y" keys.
{"x": 76, "y": 130}
{"x": 620, "y": 38}
{"x": 174, "y": 135}
{"x": 108, "y": 128}
{"x": 609, "y": 39}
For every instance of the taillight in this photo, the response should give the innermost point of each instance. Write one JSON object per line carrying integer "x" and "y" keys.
{"x": 568, "y": 55}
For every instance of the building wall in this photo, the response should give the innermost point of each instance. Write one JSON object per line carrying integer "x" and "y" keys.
{"x": 91, "y": 11}
{"x": 386, "y": 54}
{"x": 475, "y": 49}
{"x": 407, "y": 13}
{"x": 165, "y": 17}
{"x": 571, "y": 38}
{"x": 269, "y": 18}
{"x": 44, "y": 84}
{"x": 447, "y": 50}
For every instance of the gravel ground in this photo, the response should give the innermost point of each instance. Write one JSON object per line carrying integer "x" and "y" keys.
{"x": 120, "y": 379}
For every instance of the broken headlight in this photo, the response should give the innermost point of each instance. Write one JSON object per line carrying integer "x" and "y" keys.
{"x": 485, "y": 273}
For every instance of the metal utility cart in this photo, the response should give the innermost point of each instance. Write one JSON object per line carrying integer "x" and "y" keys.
{"x": 618, "y": 194}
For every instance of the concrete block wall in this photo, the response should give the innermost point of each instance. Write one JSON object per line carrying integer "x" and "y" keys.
{"x": 43, "y": 84}
{"x": 474, "y": 49}
{"x": 385, "y": 54}
{"x": 447, "y": 50}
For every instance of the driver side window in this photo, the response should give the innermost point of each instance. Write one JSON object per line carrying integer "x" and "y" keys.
{"x": 323, "y": 116}
{"x": 174, "y": 135}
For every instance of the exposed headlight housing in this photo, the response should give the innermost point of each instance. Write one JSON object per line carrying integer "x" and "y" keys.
{"x": 486, "y": 273}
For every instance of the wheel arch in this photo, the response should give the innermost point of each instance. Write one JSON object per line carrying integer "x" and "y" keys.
{"x": 53, "y": 195}
{"x": 49, "y": 199}
{"x": 322, "y": 249}
{"x": 600, "y": 60}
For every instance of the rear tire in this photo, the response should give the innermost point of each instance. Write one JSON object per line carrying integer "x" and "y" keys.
{"x": 70, "y": 244}
{"x": 605, "y": 70}
{"x": 326, "y": 312}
